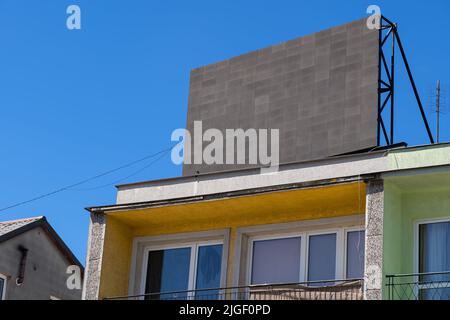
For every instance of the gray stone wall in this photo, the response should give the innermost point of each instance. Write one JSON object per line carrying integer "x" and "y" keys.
{"x": 373, "y": 274}
{"x": 94, "y": 256}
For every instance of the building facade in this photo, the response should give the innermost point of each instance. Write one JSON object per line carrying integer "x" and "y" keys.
{"x": 34, "y": 262}
{"x": 345, "y": 227}
{"x": 341, "y": 218}
{"x": 416, "y": 236}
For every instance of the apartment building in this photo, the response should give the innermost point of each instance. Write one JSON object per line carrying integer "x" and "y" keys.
{"x": 343, "y": 217}
{"x": 333, "y": 228}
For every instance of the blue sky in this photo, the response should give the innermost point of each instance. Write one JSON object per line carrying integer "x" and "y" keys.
{"x": 77, "y": 103}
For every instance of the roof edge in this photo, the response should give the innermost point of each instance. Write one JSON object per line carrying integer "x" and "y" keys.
{"x": 255, "y": 170}
{"x": 229, "y": 194}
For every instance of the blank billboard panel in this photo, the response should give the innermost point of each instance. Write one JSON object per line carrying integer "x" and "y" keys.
{"x": 320, "y": 91}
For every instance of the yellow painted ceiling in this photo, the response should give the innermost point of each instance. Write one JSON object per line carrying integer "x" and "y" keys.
{"x": 274, "y": 207}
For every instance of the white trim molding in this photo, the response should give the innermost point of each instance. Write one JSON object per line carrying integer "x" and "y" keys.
{"x": 303, "y": 229}
{"x": 416, "y": 238}
{"x": 142, "y": 245}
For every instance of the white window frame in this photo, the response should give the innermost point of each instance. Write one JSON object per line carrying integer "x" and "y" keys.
{"x": 416, "y": 236}
{"x": 194, "y": 246}
{"x": 346, "y": 231}
{"x": 274, "y": 237}
{"x": 5, "y": 283}
{"x": 416, "y": 246}
{"x": 341, "y": 250}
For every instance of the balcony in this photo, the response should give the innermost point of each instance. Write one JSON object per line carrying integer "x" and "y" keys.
{"x": 419, "y": 286}
{"x": 313, "y": 290}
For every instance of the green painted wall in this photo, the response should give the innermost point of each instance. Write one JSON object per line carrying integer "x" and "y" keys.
{"x": 409, "y": 199}
{"x": 431, "y": 155}
{"x": 392, "y": 229}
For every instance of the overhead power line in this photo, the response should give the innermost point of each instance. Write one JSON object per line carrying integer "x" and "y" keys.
{"x": 124, "y": 178}
{"x": 45, "y": 195}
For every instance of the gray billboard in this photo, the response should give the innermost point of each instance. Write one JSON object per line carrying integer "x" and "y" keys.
{"x": 320, "y": 91}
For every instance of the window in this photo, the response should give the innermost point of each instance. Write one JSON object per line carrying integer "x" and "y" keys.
{"x": 168, "y": 270}
{"x": 322, "y": 257}
{"x": 316, "y": 257}
{"x": 276, "y": 261}
{"x": 434, "y": 246}
{"x": 355, "y": 254}
{"x": 176, "y": 270}
{"x": 208, "y": 271}
{"x": 434, "y": 256}
{"x": 2, "y": 287}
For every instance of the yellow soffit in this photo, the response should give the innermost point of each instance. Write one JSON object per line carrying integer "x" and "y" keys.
{"x": 271, "y": 207}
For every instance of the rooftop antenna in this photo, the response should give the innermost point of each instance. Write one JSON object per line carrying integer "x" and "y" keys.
{"x": 438, "y": 106}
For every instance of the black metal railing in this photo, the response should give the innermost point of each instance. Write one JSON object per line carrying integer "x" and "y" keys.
{"x": 419, "y": 286}
{"x": 312, "y": 290}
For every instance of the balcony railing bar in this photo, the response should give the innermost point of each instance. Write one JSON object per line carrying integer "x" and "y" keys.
{"x": 417, "y": 274}
{"x": 242, "y": 292}
{"x": 418, "y": 286}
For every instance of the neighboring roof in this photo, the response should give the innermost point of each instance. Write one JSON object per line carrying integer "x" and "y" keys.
{"x": 13, "y": 228}
{"x": 9, "y": 226}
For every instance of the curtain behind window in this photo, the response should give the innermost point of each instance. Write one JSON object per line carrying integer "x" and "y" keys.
{"x": 434, "y": 256}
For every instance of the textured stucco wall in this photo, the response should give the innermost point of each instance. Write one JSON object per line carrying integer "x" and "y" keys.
{"x": 45, "y": 271}
{"x": 425, "y": 205}
{"x": 93, "y": 270}
{"x": 426, "y": 156}
{"x": 332, "y": 168}
{"x": 374, "y": 240}
{"x": 392, "y": 230}
{"x": 392, "y": 235}
{"x": 116, "y": 258}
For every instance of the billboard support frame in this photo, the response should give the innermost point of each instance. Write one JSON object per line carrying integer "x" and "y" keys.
{"x": 386, "y": 83}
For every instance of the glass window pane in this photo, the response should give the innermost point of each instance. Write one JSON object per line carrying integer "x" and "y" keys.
{"x": 355, "y": 254}
{"x": 209, "y": 265}
{"x": 2, "y": 285}
{"x": 434, "y": 256}
{"x": 435, "y": 247}
{"x": 168, "y": 271}
{"x": 322, "y": 257}
{"x": 276, "y": 261}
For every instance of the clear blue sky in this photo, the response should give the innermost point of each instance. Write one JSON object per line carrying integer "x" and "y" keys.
{"x": 77, "y": 103}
